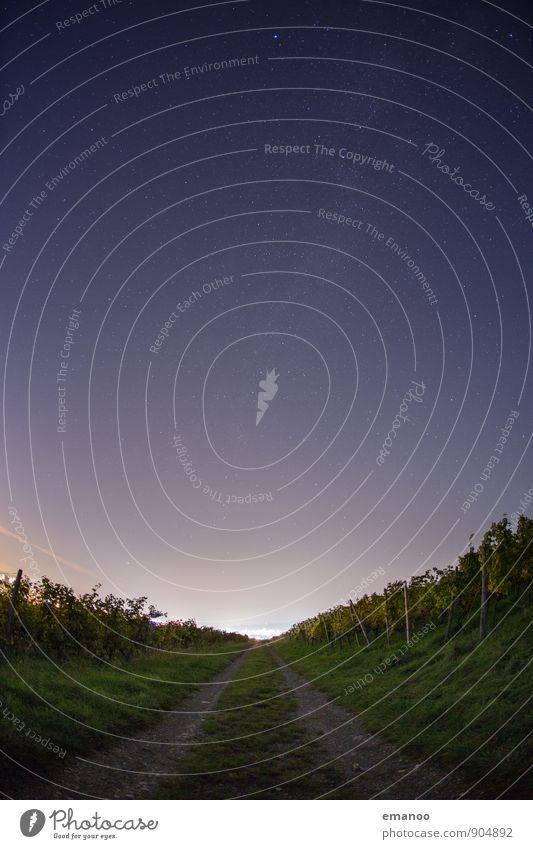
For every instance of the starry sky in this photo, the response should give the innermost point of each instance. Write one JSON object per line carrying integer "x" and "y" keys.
{"x": 322, "y": 212}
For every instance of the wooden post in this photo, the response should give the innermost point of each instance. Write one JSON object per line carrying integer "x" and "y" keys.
{"x": 354, "y": 626}
{"x": 386, "y": 617}
{"x": 325, "y": 628}
{"x": 13, "y": 605}
{"x": 356, "y": 617}
{"x": 407, "y": 621}
{"x": 484, "y": 595}
{"x": 338, "y": 639}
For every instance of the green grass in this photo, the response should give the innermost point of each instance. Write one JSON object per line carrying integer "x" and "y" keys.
{"x": 450, "y": 697}
{"x": 242, "y": 751}
{"x": 70, "y": 704}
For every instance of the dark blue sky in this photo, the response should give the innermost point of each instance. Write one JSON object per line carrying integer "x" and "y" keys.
{"x": 192, "y": 198}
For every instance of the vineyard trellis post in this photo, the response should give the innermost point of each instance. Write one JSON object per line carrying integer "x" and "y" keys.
{"x": 359, "y": 622}
{"x": 451, "y": 608}
{"x": 386, "y": 616}
{"x": 407, "y": 620}
{"x": 338, "y": 622}
{"x": 326, "y": 632}
{"x": 354, "y": 628}
{"x": 484, "y": 593}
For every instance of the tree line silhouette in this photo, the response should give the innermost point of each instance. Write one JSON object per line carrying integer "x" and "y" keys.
{"x": 49, "y": 618}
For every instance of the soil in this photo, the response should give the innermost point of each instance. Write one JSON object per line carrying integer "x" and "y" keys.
{"x": 368, "y": 766}
{"x": 365, "y": 766}
{"x": 133, "y": 768}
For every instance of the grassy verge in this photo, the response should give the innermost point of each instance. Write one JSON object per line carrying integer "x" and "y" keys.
{"x": 48, "y": 714}
{"x": 453, "y": 697}
{"x": 242, "y": 751}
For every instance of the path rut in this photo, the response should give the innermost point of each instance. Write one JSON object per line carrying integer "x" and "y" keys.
{"x": 132, "y": 769}
{"x": 373, "y": 767}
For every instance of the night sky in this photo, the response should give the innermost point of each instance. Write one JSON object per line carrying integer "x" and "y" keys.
{"x": 334, "y": 200}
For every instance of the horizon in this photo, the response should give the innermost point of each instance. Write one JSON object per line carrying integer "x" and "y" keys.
{"x": 254, "y": 358}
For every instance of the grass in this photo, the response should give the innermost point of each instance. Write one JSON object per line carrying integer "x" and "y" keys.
{"x": 80, "y": 706}
{"x": 242, "y": 750}
{"x": 463, "y": 701}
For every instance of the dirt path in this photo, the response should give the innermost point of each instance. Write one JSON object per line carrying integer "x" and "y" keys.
{"x": 362, "y": 764}
{"x": 373, "y": 767}
{"x": 132, "y": 769}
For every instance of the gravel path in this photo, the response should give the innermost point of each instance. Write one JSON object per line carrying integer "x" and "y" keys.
{"x": 132, "y": 769}
{"x": 373, "y": 767}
